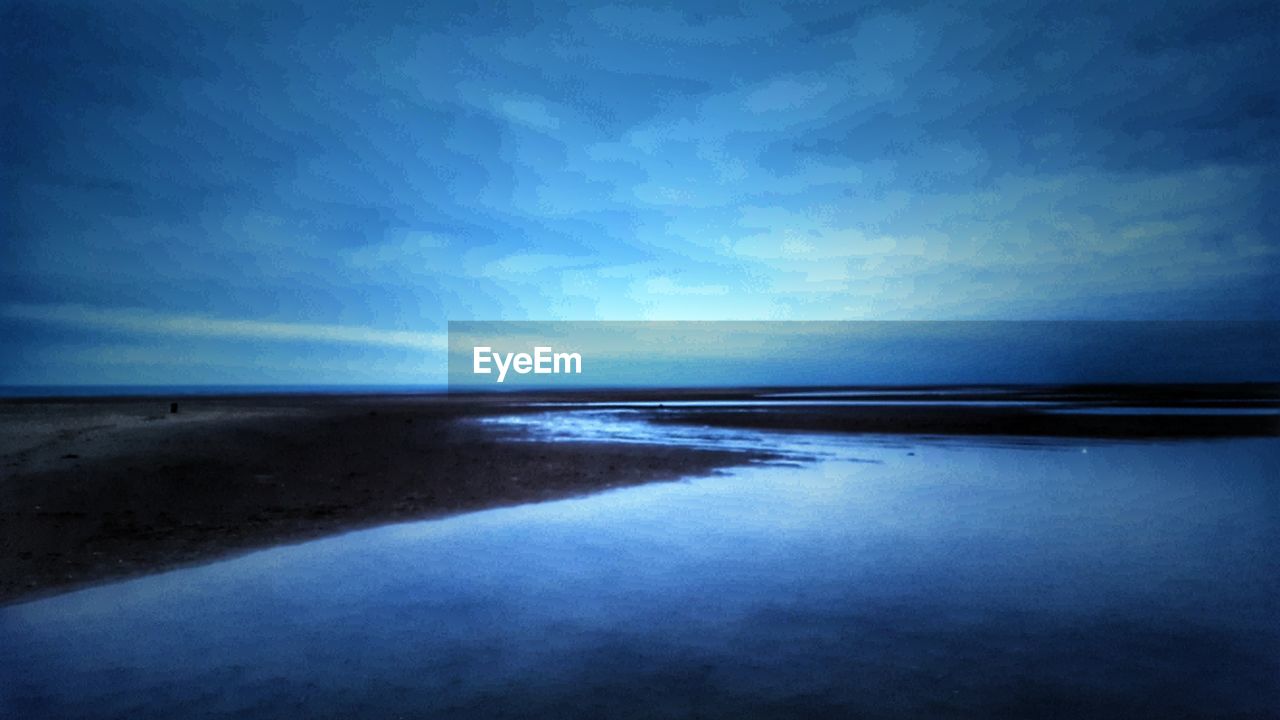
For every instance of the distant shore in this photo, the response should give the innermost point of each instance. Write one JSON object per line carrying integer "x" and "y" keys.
{"x": 93, "y": 489}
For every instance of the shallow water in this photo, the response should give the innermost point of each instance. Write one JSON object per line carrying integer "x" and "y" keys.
{"x": 870, "y": 577}
{"x": 817, "y": 402}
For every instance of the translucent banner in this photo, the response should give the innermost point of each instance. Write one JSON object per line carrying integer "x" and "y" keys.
{"x": 499, "y": 355}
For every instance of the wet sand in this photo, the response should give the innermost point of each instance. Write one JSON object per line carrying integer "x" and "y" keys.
{"x": 106, "y": 489}
{"x": 100, "y": 489}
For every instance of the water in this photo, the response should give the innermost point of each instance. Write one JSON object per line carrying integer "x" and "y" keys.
{"x": 869, "y": 577}
{"x": 767, "y": 403}
{"x": 1065, "y": 405}
{"x": 1227, "y": 411}
{"x": 77, "y": 391}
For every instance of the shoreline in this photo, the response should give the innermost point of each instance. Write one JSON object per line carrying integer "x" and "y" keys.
{"x": 92, "y": 492}
{"x": 108, "y": 488}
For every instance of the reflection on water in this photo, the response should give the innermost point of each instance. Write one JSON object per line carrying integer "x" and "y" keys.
{"x": 632, "y": 426}
{"x": 629, "y": 425}
{"x": 921, "y": 393}
{"x": 1074, "y": 404}
{"x": 765, "y": 403}
{"x": 939, "y": 579}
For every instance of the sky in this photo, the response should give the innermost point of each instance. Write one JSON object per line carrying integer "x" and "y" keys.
{"x": 270, "y": 192}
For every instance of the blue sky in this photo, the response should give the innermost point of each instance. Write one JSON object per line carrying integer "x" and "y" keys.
{"x": 275, "y": 192}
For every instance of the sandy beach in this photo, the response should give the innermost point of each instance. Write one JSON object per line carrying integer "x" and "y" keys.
{"x": 960, "y": 552}
{"x": 110, "y": 488}
{"x": 106, "y": 488}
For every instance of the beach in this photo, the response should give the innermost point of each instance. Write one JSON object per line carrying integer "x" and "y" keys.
{"x": 110, "y": 488}
{"x": 106, "y": 488}
{"x": 712, "y": 554}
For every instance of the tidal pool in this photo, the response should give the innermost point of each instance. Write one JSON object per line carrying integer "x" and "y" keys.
{"x": 866, "y": 577}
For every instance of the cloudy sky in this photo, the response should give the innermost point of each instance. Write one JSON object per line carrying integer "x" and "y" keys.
{"x": 222, "y": 192}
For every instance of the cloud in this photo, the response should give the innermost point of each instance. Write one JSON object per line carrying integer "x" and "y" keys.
{"x": 783, "y": 95}
{"x": 665, "y": 286}
{"x": 386, "y": 165}
{"x": 184, "y": 361}
{"x": 532, "y": 113}
{"x": 413, "y": 251}
{"x": 691, "y": 26}
{"x": 521, "y": 264}
{"x": 147, "y": 322}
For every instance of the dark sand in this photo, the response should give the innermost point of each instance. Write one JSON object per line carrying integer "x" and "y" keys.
{"x": 104, "y": 489}
{"x": 101, "y": 489}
